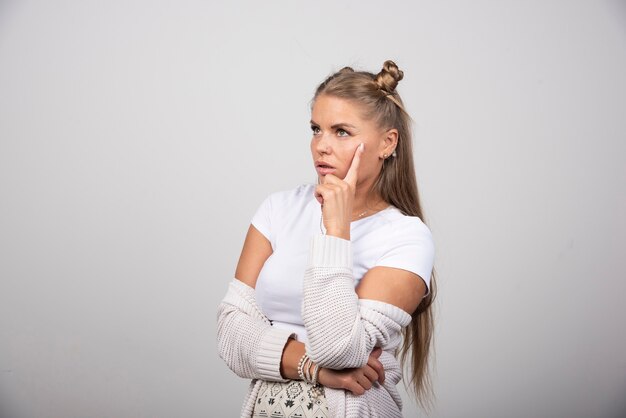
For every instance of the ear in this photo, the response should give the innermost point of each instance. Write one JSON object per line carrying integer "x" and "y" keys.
{"x": 389, "y": 142}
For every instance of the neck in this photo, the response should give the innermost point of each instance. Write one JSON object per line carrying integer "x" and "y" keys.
{"x": 366, "y": 202}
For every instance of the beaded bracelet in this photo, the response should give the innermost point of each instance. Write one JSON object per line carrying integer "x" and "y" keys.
{"x": 300, "y": 367}
{"x": 316, "y": 373}
{"x": 316, "y": 390}
{"x": 304, "y": 372}
{"x": 307, "y": 369}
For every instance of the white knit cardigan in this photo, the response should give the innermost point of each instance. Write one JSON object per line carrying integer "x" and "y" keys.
{"x": 342, "y": 332}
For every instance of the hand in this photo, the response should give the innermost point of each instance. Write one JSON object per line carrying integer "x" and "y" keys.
{"x": 357, "y": 380}
{"x": 336, "y": 197}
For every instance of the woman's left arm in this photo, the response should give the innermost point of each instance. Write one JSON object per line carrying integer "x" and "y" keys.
{"x": 343, "y": 329}
{"x": 344, "y": 325}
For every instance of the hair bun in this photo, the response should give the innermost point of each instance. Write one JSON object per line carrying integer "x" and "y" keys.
{"x": 387, "y": 79}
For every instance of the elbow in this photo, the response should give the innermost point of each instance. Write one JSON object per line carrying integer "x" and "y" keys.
{"x": 227, "y": 346}
{"x": 225, "y": 323}
{"x": 337, "y": 347}
{"x": 236, "y": 368}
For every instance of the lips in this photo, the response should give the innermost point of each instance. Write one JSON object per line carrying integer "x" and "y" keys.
{"x": 323, "y": 168}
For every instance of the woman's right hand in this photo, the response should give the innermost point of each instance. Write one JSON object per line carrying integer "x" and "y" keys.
{"x": 356, "y": 380}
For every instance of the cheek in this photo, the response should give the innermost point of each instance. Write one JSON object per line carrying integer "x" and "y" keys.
{"x": 345, "y": 156}
{"x": 368, "y": 166}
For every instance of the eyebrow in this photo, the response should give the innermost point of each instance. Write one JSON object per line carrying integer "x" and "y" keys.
{"x": 337, "y": 125}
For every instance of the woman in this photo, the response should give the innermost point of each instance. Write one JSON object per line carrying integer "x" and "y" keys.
{"x": 333, "y": 275}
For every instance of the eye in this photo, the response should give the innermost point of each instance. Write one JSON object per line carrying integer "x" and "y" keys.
{"x": 315, "y": 129}
{"x": 342, "y": 132}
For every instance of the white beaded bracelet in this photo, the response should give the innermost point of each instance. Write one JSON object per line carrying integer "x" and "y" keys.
{"x": 300, "y": 366}
{"x": 304, "y": 372}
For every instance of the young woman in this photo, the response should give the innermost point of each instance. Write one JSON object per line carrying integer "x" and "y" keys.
{"x": 332, "y": 276}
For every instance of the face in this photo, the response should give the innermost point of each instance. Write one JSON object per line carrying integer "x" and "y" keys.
{"x": 338, "y": 128}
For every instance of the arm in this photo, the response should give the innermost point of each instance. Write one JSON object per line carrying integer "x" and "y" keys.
{"x": 252, "y": 348}
{"x": 249, "y": 345}
{"x": 247, "y": 342}
{"x": 342, "y": 328}
{"x": 355, "y": 380}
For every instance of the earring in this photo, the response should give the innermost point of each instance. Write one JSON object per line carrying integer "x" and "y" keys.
{"x": 385, "y": 156}
{"x": 394, "y": 154}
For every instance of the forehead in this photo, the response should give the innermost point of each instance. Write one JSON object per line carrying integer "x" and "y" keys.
{"x": 331, "y": 108}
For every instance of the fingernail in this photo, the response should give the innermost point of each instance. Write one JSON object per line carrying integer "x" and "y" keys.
{"x": 362, "y": 146}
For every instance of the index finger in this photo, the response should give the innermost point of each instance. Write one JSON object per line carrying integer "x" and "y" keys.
{"x": 351, "y": 176}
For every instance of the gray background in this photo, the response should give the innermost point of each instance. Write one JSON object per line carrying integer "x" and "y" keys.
{"x": 137, "y": 139}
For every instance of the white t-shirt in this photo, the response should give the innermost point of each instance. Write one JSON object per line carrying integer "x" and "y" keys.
{"x": 289, "y": 220}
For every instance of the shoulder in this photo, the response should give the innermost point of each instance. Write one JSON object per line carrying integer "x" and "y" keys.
{"x": 279, "y": 207}
{"x": 287, "y": 198}
{"x": 412, "y": 234}
{"x": 403, "y": 226}
{"x": 278, "y": 204}
{"x": 409, "y": 245}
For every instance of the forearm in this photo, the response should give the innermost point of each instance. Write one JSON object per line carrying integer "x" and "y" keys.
{"x": 249, "y": 345}
{"x": 293, "y": 352}
{"x": 342, "y": 330}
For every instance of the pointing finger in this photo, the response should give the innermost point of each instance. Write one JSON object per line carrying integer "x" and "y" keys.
{"x": 351, "y": 176}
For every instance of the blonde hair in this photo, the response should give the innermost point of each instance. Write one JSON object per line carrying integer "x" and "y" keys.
{"x": 396, "y": 183}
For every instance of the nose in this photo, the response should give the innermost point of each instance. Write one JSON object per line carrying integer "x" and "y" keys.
{"x": 323, "y": 144}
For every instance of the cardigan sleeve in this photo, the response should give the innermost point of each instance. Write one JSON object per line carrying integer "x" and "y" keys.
{"x": 343, "y": 329}
{"x": 247, "y": 342}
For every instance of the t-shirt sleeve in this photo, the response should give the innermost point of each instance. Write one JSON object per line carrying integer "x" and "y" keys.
{"x": 262, "y": 219}
{"x": 411, "y": 248}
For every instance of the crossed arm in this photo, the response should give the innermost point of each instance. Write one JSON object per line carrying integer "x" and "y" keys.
{"x": 351, "y": 363}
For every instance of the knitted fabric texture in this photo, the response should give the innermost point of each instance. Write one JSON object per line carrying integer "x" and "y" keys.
{"x": 242, "y": 324}
{"x": 342, "y": 330}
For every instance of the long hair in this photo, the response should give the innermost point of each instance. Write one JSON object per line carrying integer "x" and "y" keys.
{"x": 397, "y": 185}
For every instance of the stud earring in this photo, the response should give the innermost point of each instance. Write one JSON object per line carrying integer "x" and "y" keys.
{"x": 385, "y": 156}
{"x": 394, "y": 154}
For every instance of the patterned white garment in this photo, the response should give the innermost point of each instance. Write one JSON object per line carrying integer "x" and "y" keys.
{"x": 292, "y": 399}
